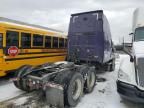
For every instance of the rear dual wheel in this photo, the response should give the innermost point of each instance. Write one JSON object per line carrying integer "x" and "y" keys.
{"x": 112, "y": 66}
{"x": 90, "y": 82}
{"x": 21, "y": 83}
{"x": 75, "y": 89}
{"x": 73, "y": 83}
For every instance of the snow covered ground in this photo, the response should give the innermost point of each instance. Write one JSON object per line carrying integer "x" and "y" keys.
{"x": 105, "y": 93}
{"x": 8, "y": 90}
{"x": 103, "y": 96}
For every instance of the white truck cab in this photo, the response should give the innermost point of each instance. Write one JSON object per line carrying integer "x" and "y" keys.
{"x": 130, "y": 83}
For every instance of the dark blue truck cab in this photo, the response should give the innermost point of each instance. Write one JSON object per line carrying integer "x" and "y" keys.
{"x": 89, "y": 39}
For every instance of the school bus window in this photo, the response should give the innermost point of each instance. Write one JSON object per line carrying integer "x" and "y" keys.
{"x": 37, "y": 40}
{"x": 55, "y": 42}
{"x": 48, "y": 41}
{"x": 26, "y": 40}
{"x": 12, "y": 38}
{"x": 61, "y": 42}
{"x": 1, "y": 40}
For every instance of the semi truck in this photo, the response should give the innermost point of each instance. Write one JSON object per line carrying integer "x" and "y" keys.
{"x": 90, "y": 49}
{"x": 130, "y": 83}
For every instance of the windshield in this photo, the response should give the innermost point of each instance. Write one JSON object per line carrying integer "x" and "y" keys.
{"x": 139, "y": 34}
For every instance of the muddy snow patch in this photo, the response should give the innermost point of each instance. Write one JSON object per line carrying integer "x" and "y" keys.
{"x": 21, "y": 101}
{"x": 100, "y": 79}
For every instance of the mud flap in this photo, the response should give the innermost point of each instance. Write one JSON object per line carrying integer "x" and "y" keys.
{"x": 55, "y": 95}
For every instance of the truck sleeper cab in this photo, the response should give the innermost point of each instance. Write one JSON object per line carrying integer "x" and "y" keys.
{"x": 89, "y": 39}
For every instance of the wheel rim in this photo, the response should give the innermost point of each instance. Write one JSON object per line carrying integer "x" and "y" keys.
{"x": 91, "y": 79}
{"x": 76, "y": 89}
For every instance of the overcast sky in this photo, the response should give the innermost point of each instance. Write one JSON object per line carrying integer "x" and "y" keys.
{"x": 56, "y": 13}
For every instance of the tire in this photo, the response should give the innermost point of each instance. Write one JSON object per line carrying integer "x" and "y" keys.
{"x": 74, "y": 96}
{"x": 73, "y": 87}
{"x": 21, "y": 83}
{"x": 18, "y": 73}
{"x": 66, "y": 58}
{"x": 90, "y": 82}
{"x": 112, "y": 66}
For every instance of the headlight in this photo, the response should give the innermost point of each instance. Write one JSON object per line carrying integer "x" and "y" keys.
{"x": 123, "y": 76}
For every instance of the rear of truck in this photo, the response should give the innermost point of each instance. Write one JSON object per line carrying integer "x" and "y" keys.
{"x": 89, "y": 38}
{"x": 86, "y": 37}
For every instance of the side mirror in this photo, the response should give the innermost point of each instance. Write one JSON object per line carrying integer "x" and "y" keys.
{"x": 131, "y": 59}
{"x": 127, "y": 52}
{"x": 131, "y": 33}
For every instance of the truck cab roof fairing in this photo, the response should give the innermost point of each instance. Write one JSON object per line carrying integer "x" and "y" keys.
{"x": 97, "y": 11}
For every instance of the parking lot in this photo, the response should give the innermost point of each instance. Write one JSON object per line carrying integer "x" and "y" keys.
{"x": 103, "y": 96}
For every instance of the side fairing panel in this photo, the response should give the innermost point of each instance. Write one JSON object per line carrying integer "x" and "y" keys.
{"x": 108, "y": 54}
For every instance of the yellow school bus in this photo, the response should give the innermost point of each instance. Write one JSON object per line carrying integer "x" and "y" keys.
{"x": 35, "y": 44}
